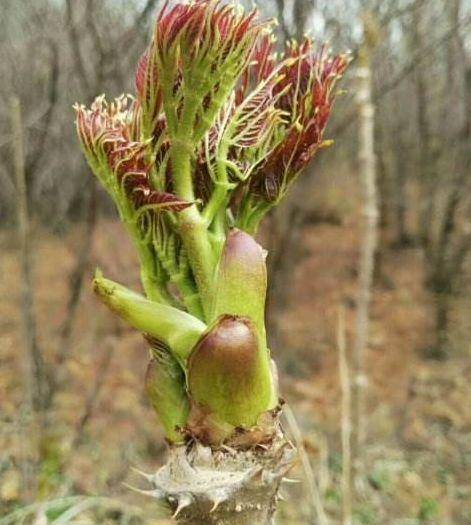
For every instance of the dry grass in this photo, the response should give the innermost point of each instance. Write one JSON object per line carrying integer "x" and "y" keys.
{"x": 419, "y": 423}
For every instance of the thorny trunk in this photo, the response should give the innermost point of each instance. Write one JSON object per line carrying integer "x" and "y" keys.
{"x": 224, "y": 487}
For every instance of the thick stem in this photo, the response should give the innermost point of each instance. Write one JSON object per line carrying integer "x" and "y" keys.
{"x": 225, "y": 487}
{"x": 195, "y": 237}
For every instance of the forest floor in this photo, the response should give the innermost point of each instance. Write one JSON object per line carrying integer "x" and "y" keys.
{"x": 417, "y": 458}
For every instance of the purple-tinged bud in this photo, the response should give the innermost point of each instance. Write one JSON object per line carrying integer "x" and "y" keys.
{"x": 204, "y": 25}
{"x": 241, "y": 284}
{"x": 229, "y": 377}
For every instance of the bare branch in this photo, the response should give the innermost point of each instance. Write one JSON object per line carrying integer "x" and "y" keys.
{"x": 77, "y": 275}
{"x": 280, "y": 4}
{"x": 139, "y": 25}
{"x": 384, "y": 89}
{"x": 448, "y": 223}
{"x": 145, "y": 13}
{"x": 459, "y": 258}
{"x": 99, "y": 49}
{"x": 36, "y": 365}
{"x": 74, "y": 41}
{"x": 34, "y": 158}
{"x": 301, "y": 11}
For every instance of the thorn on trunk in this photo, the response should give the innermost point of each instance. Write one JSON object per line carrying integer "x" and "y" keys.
{"x": 280, "y": 497}
{"x": 254, "y": 474}
{"x": 155, "y": 493}
{"x": 185, "y": 500}
{"x": 290, "y": 480}
{"x": 216, "y": 497}
{"x": 149, "y": 477}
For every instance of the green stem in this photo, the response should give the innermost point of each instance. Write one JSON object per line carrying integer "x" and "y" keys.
{"x": 217, "y": 201}
{"x": 153, "y": 285}
{"x": 192, "y": 227}
{"x": 200, "y": 254}
{"x": 189, "y": 294}
{"x": 251, "y": 214}
{"x": 182, "y": 150}
{"x": 218, "y": 232}
{"x": 218, "y": 198}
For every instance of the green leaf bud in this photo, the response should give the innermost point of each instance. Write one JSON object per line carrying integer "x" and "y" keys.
{"x": 229, "y": 374}
{"x": 176, "y": 329}
{"x": 241, "y": 284}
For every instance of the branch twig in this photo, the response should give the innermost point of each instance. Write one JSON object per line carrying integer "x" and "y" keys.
{"x": 37, "y": 369}
{"x": 74, "y": 41}
{"x": 77, "y": 274}
{"x": 406, "y": 70}
{"x": 38, "y": 152}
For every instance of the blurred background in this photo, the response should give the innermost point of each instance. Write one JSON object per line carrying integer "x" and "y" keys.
{"x": 369, "y": 310}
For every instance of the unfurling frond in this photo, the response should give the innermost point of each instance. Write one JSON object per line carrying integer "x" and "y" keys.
{"x": 202, "y": 49}
{"x": 307, "y": 86}
{"x": 110, "y": 136}
{"x": 149, "y": 92}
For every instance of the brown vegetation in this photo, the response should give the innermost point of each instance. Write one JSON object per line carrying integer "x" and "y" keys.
{"x": 417, "y": 426}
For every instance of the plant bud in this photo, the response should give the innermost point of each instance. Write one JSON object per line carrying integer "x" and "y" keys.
{"x": 229, "y": 374}
{"x": 165, "y": 385}
{"x": 242, "y": 281}
{"x": 176, "y": 329}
